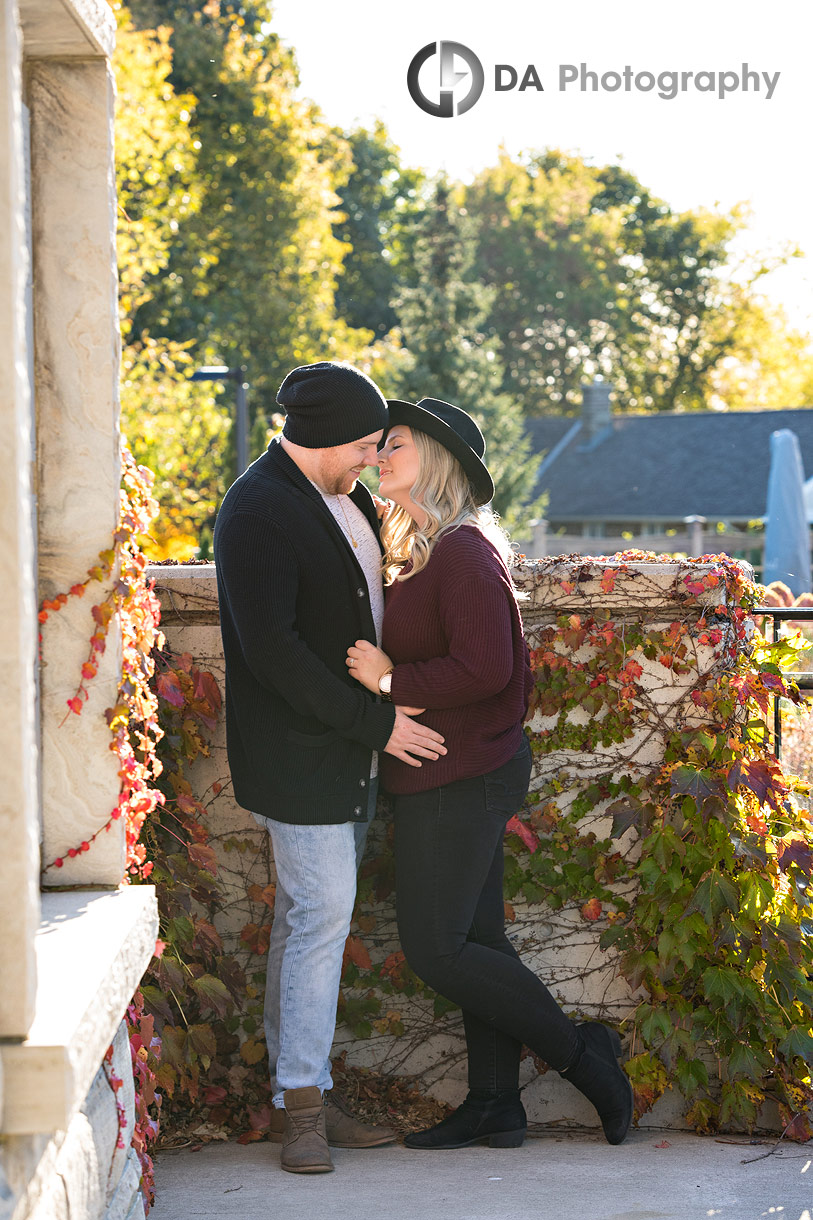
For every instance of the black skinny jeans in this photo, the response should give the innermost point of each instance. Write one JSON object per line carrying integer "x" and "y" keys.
{"x": 451, "y": 921}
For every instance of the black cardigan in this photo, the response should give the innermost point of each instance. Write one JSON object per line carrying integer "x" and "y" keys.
{"x": 300, "y": 731}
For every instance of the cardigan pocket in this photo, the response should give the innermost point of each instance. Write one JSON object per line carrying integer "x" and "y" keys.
{"x": 311, "y": 740}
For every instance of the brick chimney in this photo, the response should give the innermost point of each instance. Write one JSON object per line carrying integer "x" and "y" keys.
{"x": 596, "y": 415}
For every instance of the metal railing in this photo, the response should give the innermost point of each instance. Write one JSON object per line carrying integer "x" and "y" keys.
{"x": 804, "y": 680}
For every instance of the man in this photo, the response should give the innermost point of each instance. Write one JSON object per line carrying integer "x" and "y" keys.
{"x": 298, "y": 567}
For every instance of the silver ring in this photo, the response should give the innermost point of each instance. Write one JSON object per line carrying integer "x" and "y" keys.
{"x": 351, "y": 662}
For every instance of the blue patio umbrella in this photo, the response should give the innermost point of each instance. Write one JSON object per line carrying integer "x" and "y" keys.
{"x": 787, "y": 538}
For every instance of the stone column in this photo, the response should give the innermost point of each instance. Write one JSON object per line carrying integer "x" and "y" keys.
{"x": 76, "y": 379}
{"x": 19, "y": 817}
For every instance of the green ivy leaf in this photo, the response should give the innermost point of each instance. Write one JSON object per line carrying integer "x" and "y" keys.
{"x": 692, "y": 1074}
{"x": 441, "y": 1006}
{"x": 688, "y": 781}
{"x": 798, "y": 1041}
{"x": 721, "y": 984}
{"x": 181, "y": 930}
{"x": 714, "y": 894}
{"x": 616, "y": 935}
{"x": 201, "y": 1044}
{"x": 625, "y": 813}
{"x": 746, "y": 1060}
{"x": 212, "y": 994}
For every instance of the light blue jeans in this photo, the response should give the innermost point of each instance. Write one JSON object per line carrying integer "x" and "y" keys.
{"x": 316, "y": 891}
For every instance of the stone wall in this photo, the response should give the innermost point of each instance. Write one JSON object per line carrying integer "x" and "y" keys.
{"x": 82, "y": 1171}
{"x": 560, "y": 945}
{"x": 69, "y": 960}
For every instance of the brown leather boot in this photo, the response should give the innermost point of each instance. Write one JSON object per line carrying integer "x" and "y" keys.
{"x": 304, "y": 1142}
{"x": 343, "y": 1129}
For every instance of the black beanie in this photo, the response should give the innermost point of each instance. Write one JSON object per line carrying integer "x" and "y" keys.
{"x": 330, "y": 404}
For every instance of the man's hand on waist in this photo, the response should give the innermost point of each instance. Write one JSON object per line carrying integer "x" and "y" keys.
{"x": 408, "y": 738}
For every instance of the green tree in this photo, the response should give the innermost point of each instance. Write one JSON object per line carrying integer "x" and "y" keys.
{"x": 770, "y": 366}
{"x": 251, "y": 273}
{"x": 593, "y": 274}
{"x": 552, "y": 264}
{"x": 154, "y": 161}
{"x": 176, "y": 427}
{"x": 380, "y": 203}
{"x": 678, "y": 311}
{"x": 181, "y": 430}
{"x": 450, "y": 358}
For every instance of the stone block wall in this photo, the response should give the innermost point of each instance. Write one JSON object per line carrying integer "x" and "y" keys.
{"x": 81, "y": 1171}
{"x": 69, "y": 961}
{"x": 559, "y": 945}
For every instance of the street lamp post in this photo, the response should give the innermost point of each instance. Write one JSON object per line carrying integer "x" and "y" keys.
{"x": 219, "y": 372}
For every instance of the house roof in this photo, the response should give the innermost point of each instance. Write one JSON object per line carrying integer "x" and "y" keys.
{"x": 664, "y": 467}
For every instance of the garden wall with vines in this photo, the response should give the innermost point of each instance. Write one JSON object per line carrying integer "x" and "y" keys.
{"x": 659, "y": 877}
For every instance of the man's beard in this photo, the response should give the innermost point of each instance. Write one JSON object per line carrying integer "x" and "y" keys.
{"x": 343, "y": 484}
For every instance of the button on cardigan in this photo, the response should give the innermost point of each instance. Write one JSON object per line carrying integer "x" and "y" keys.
{"x": 454, "y": 634}
{"x": 300, "y": 731}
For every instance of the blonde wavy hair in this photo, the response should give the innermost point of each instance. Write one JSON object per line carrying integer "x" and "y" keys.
{"x": 444, "y": 493}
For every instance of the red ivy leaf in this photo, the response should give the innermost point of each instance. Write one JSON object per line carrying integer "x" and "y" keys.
{"x": 797, "y": 852}
{"x": 169, "y": 689}
{"x": 515, "y": 827}
{"x": 203, "y": 856}
{"x": 263, "y": 893}
{"x": 207, "y": 937}
{"x": 392, "y": 966}
{"x": 256, "y": 938}
{"x": 206, "y": 688}
{"x": 356, "y": 951}
{"x": 762, "y": 777}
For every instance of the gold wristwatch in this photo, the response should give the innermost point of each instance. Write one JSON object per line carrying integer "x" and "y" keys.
{"x": 385, "y": 686}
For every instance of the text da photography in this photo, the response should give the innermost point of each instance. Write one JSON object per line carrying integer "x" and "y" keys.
{"x": 446, "y": 79}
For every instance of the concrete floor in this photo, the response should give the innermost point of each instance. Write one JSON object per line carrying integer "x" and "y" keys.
{"x": 653, "y": 1176}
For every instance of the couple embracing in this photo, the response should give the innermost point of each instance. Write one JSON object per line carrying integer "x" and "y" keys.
{"x": 380, "y": 642}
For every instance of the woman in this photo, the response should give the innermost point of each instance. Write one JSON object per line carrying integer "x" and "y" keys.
{"x": 453, "y": 644}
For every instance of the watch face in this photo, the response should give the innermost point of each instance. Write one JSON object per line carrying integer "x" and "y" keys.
{"x": 385, "y": 684}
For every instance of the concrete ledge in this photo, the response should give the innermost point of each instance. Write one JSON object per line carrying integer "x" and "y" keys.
{"x": 92, "y": 948}
{"x": 67, "y": 28}
{"x": 187, "y": 592}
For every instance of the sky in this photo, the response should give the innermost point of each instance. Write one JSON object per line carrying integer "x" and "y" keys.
{"x": 695, "y": 150}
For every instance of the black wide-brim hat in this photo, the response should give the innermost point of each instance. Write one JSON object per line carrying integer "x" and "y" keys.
{"x": 455, "y": 429}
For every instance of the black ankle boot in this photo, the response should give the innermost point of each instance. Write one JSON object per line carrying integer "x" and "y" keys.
{"x": 494, "y": 1118}
{"x": 596, "y": 1074}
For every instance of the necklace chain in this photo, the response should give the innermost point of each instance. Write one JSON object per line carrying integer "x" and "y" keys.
{"x": 347, "y": 523}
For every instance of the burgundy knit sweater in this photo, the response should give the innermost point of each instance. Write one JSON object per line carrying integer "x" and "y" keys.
{"x": 454, "y": 634}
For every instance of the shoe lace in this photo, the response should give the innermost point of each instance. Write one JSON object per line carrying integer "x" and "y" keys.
{"x": 305, "y": 1121}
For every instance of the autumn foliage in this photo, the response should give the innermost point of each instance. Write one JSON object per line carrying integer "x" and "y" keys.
{"x": 697, "y": 868}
